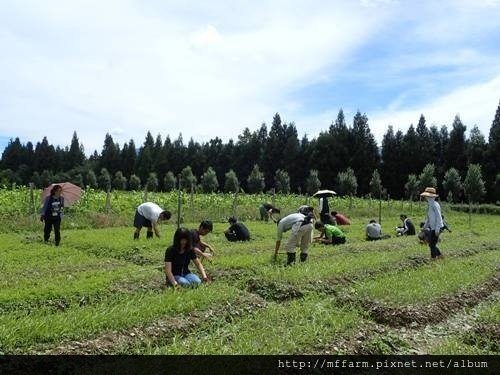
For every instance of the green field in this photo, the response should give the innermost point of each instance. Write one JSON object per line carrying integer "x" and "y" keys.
{"x": 102, "y": 292}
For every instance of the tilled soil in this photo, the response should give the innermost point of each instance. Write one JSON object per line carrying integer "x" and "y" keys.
{"x": 274, "y": 291}
{"x": 439, "y": 310}
{"x": 118, "y": 341}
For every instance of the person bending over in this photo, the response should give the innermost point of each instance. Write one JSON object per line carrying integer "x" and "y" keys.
{"x": 301, "y": 228}
{"x": 332, "y": 234}
{"x": 149, "y": 215}
{"x": 237, "y": 231}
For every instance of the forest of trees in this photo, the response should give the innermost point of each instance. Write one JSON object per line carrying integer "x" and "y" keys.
{"x": 344, "y": 157}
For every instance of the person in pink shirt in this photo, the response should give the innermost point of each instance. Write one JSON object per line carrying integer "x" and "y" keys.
{"x": 340, "y": 219}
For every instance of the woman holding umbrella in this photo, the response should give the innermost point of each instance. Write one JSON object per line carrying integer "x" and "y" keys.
{"x": 55, "y": 197}
{"x": 324, "y": 209}
{"x": 52, "y": 212}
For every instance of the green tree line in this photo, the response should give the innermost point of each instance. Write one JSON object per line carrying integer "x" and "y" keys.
{"x": 344, "y": 157}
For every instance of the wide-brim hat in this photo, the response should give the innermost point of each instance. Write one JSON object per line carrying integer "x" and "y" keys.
{"x": 429, "y": 192}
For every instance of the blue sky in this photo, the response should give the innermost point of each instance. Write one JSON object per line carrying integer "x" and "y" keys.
{"x": 206, "y": 70}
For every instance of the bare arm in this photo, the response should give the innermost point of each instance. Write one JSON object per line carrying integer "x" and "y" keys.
{"x": 326, "y": 239}
{"x": 156, "y": 228}
{"x": 276, "y": 249}
{"x": 170, "y": 275}
{"x": 204, "y": 244}
{"x": 201, "y": 254}
{"x": 200, "y": 268}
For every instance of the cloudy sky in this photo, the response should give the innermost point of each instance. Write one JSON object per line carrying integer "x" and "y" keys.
{"x": 213, "y": 68}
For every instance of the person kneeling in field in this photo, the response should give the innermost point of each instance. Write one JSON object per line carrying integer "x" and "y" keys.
{"x": 237, "y": 231}
{"x": 374, "y": 231}
{"x": 407, "y": 229}
{"x": 149, "y": 215}
{"x": 177, "y": 259}
{"x": 333, "y": 234}
{"x": 301, "y": 226}
{"x": 199, "y": 246}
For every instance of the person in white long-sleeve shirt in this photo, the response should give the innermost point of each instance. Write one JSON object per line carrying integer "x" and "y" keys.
{"x": 433, "y": 222}
{"x": 301, "y": 227}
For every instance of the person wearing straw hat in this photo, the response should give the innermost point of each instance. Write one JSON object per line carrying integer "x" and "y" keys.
{"x": 433, "y": 221}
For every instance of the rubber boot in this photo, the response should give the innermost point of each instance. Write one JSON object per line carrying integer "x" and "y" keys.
{"x": 149, "y": 235}
{"x": 291, "y": 259}
{"x": 303, "y": 257}
{"x": 136, "y": 236}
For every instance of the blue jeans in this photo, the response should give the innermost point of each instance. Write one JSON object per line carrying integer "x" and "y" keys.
{"x": 189, "y": 279}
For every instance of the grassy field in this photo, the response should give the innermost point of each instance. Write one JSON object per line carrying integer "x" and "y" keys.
{"x": 103, "y": 292}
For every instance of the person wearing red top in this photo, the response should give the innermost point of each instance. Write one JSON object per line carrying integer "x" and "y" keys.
{"x": 340, "y": 219}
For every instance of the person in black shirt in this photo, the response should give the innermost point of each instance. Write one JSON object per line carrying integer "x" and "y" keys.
{"x": 52, "y": 212}
{"x": 267, "y": 210}
{"x": 205, "y": 227}
{"x": 237, "y": 231}
{"x": 177, "y": 259}
{"x": 408, "y": 229}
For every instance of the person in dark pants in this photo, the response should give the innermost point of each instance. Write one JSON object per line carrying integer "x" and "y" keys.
{"x": 267, "y": 210}
{"x": 52, "y": 212}
{"x": 237, "y": 231}
{"x": 433, "y": 221}
{"x": 324, "y": 211}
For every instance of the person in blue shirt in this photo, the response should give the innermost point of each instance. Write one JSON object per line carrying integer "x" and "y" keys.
{"x": 52, "y": 212}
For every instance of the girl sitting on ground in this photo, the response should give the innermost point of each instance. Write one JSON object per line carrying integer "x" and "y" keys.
{"x": 177, "y": 259}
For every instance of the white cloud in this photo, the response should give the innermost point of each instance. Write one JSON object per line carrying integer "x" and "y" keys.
{"x": 95, "y": 67}
{"x": 207, "y": 36}
{"x": 208, "y": 70}
{"x": 476, "y": 104}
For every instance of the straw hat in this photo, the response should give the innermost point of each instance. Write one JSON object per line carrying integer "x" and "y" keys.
{"x": 429, "y": 192}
